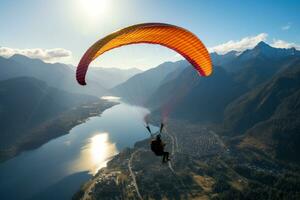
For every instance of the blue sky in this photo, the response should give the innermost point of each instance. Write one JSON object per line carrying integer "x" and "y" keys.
{"x": 61, "y": 30}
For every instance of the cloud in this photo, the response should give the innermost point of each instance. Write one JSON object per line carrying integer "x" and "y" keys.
{"x": 286, "y": 27}
{"x": 48, "y": 55}
{"x": 239, "y": 45}
{"x": 284, "y": 44}
{"x": 176, "y": 57}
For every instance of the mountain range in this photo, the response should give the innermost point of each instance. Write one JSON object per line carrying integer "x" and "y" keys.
{"x": 62, "y": 76}
{"x": 247, "y": 95}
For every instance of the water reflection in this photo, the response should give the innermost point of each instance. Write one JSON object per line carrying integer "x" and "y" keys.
{"x": 111, "y": 98}
{"x": 95, "y": 154}
{"x": 87, "y": 147}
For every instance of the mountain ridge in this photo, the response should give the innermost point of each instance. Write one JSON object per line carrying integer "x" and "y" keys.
{"x": 62, "y": 76}
{"x": 139, "y": 87}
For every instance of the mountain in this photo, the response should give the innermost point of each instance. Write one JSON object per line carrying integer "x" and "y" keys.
{"x": 140, "y": 87}
{"x": 260, "y": 63}
{"x": 28, "y": 106}
{"x": 260, "y": 103}
{"x": 111, "y": 77}
{"x": 56, "y": 75}
{"x": 219, "y": 59}
{"x": 196, "y": 98}
{"x": 191, "y": 97}
{"x": 263, "y": 50}
{"x": 269, "y": 116}
{"x": 175, "y": 73}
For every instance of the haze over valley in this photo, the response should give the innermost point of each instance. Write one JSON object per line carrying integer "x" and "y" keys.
{"x": 248, "y": 115}
{"x": 149, "y": 100}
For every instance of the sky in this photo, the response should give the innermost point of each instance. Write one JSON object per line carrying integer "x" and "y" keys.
{"x": 62, "y": 30}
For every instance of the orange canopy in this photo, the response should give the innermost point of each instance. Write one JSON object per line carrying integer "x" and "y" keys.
{"x": 173, "y": 37}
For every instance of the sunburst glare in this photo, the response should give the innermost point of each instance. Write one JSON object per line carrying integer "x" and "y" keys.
{"x": 94, "y": 8}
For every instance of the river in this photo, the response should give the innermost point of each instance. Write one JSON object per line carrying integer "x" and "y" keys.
{"x": 58, "y": 168}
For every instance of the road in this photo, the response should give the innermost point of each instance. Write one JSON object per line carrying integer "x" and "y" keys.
{"x": 133, "y": 175}
{"x": 174, "y": 148}
{"x": 174, "y": 145}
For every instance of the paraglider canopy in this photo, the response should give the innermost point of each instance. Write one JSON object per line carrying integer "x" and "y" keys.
{"x": 179, "y": 39}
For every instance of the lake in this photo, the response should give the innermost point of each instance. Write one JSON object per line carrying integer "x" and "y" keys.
{"x": 58, "y": 168}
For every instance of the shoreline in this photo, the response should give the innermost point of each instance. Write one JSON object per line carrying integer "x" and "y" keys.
{"x": 128, "y": 172}
{"x": 56, "y": 127}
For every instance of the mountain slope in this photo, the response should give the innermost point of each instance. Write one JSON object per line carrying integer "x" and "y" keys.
{"x": 260, "y": 103}
{"x": 279, "y": 135}
{"x": 269, "y": 116}
{"x": 27, "y": 104}
{"x": 196, "y": 98}
{"x": 140, "y": 87}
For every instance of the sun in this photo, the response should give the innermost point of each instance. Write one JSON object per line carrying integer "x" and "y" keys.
{"x": 94, "y": 8}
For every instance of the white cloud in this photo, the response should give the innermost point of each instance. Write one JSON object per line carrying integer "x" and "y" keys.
{"x": 239, "y": 45}
{"x": 48, "y": 55}
{"x": 284, "y": 44}
{"x": 286, "y": 27}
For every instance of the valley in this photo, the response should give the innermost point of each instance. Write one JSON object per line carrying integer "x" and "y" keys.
{"x": 229, "y": 134}
{"x": 204, "y": 166}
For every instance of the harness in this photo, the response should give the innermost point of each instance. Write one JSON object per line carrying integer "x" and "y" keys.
{"x": 156, "y": 146}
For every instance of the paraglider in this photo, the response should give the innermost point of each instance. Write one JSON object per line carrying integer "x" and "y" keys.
{"x": 173, "y": 37}
{"x": 157, "y": 145}
{"x": 179, "y": 39}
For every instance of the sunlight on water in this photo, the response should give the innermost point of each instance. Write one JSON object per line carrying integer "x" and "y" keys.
{"x": 95, "y": 154}
{"x": 87, "y": 148}
{"x": 111, "y": 98}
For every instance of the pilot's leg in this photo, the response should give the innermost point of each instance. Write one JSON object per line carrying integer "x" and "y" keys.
{"x": 167, "y": 156}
